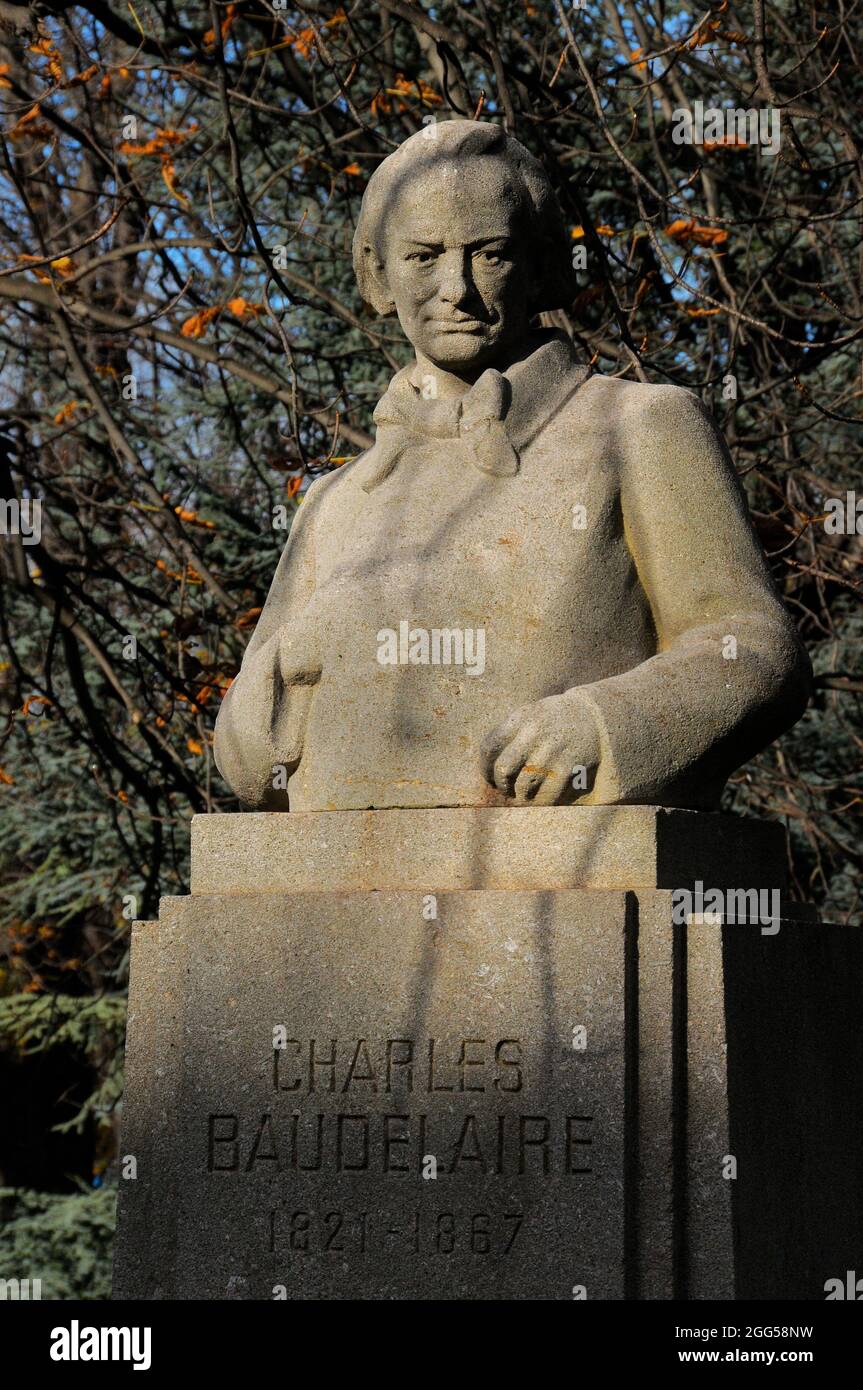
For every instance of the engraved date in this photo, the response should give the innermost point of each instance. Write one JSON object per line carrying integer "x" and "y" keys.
{"x": 336, "y": 1232}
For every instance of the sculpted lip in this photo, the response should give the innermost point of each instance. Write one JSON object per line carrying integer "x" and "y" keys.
{"x": 457, "y": 325}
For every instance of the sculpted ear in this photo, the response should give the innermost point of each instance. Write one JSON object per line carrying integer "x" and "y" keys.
{"x": 372, "y": 280}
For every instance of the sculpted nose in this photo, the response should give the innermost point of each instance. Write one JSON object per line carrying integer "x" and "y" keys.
{"x": 455, "y": 282}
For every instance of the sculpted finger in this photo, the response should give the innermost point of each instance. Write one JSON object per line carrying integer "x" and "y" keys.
{"x": 554, "y": 790}
{"x": 528, "y": 783}
{"x": 494, "y": 744}
{"x": 533, "y": 776}
{"x": 509, "y": 763}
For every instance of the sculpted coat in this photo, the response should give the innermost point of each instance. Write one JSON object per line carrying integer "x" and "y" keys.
{"x": 541, "y": 584}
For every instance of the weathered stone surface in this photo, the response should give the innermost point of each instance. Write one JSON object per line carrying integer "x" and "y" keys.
{"x": 151, "y": 1133}
{"x": 540, "y": 586}
{"x": 689, "y": 1032}
{"x": 541, "y": 848}
{"x": 793, "y": 1008}
{"x": 528, "y": 1129}
{"x": 708, "y": 1180}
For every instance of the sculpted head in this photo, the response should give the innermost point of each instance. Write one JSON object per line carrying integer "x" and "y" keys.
{"x": 460, "y": 234}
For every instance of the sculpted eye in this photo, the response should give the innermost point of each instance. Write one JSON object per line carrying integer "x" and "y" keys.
{"x": 422, "y": 256}
{"x": 491, "y": 258}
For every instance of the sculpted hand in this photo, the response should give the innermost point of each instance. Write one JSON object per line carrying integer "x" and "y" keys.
{"x": 285, "y": 669}
{"x": 297, "y": 655}
{"x": 261, "y": 724}
{"x": 532, "y": 756}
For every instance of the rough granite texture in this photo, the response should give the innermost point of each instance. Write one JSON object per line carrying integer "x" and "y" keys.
{"x": 680, "y": 1070}
{"x": 459, "y": 847}
{"x": 534, "y": 570}
{"x": 452, "y": 1039}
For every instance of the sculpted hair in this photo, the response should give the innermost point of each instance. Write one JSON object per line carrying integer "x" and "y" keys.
{"x": 454, "y": 140}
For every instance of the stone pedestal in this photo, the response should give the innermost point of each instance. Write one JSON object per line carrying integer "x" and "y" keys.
{"x": 469, "y": 1054}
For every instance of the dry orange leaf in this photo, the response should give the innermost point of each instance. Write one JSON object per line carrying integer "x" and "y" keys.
{"x": 193, "y": 519}
{"x": 197, "y": 325}
{"x": 194, "y": 746}
{"x": 305, "y": 39}
{"x": 408, "y": 87}
{"x": 45, "y": 48}
{"x": 727, "y": 142}
{"x": 603, "y": 230}
{"x": 66, "y": 412}
{"x": 6, "y": 779}
{"x": 304, "y": 42}
{"x": 160, "y": 143}
{"x": 39, "y": 273}
{"x": 191, "y": 576}
{"x": 4, "y": 80}
{"x": 242, "y": 309}
{"x": 404, "y": 87}
{"x": 293, "y": 486}
{"x": 35, "y": 700}
{"x": 705, "y": 33}
{"x": 81, "y": 77}
{"x": 685, "y": 231}
{"x": 21, "y": 126}
{"x": 169, "y": 175}
{"x": 699, "y": 313}
{"x": 225, "y": 26}
{"x": 250, "y": 616}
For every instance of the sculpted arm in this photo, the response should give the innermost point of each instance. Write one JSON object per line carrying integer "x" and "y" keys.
{"x": 730, "y": 674}
{"x": 261, "y": 722}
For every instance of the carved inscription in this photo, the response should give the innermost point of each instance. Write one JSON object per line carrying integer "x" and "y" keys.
{"x": 497, "y": 1133}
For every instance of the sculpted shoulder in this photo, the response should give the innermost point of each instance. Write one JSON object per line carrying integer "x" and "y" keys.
{"x": 327, "y": 488}
{"x": 641, "y": 418}
{"x": 617, "y": 401}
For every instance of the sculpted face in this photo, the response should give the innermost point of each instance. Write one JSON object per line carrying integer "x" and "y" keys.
{"x": 458, "y": 266}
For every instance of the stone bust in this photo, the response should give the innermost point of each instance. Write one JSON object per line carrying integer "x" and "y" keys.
{"x": 540, "y": 585}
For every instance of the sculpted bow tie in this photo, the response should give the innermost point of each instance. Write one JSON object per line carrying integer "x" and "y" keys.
{"x": 490, "y": 426}
{"x": 474, "y": 424}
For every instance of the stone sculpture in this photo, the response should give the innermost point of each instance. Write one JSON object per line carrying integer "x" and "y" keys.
{"x": 456, "y": 1039}
{"x": 541, "y": 585}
